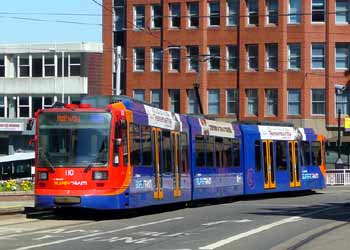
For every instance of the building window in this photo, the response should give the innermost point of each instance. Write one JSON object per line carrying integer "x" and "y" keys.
{"x": 175, "y": 59}
{"x": 213, "y": 101}
{"x": 231, "y": 57}
{"x": 271, "y": 102}
{"x": 3, "y": 106}
{"x": 48, "y": 101}
{"x": 342, "y": 102}
{"x": 24, "y": 106}
{"x": 318, "y": 56}
{"x": 253, "y": 12}
{"x": 342, "y": 11}
{"x": 49, "y": 65}
{"x": 252, "y": 57}
{"x": 2, "y": 66}
{"x": 156, "y": 54}
{"x": 155, "y": 97}
{"x": 214, "y": 58}
{"x": 193, "y": 60}
{"x": 294, "y": 56}
{"x": 193, "y": 14}
{"x": 139, "y": 94}
{"x": 192, "y": 104}
{"x": 214, "y": 13}
{"x": 232, "y": 101}
{"x": 318, "y": 11}
{"x": 318, "y": 101}
{"x": 294, "y": 12}
{"x": 139, "y": 17}
{"x": 175, "y": 15}
{"x": 342, "y": 55}
{"x": 74, "y": 64}
{"x": 157, "y": 18}
{"x": 232, "y": 12}
{"x": 252, "y": 101}
{"x": 293, "y": 102}
{"x": 272, "y": 56}
{"x": 272, "y": 12}
{"x": 119, "y": 16}
{"x": 139, "y": 59}
{"x": 23, "y": 66}
{"x": 174, "y": 100}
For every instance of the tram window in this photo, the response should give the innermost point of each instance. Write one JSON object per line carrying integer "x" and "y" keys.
{"x": 305, "y": 153}
{"x": 236, "y": 153}
{"x": 184, "y": 148}
{"x": 316, "y": 153}
{"x": 125, "y": 146}
{"x": 210, "y": 151}
{"x": 135, "y": 150}
{"x": 281, "y": 155}
{"x": 227, "y": 153}
{"x": 257, "y": 155}
{"x": 146, "y": 141}
{"x": 296, "y": 155}
{"x": 200, "y": 151}
{"x": 218, "y": 151}
{"x": 166, "y": 151}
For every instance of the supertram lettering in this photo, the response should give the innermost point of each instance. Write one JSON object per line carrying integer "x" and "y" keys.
{"x": 72, "y": 183}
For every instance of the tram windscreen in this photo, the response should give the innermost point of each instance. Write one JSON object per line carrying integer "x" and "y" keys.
{"x": 74, "y": 139}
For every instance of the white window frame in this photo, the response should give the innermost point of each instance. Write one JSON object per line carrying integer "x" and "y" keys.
{"x": 24, "y": 106}
{"x": 138, "y": 16}
{"x": 191, "y": 93}
{"x": 70, "y": 64}
{"x": 299, "y": 102}
{"x": 233, "y": 102}
{"x": 160, "y": 98}
{"x": 252, "y": 13}
{"x": 154, "y": 60}
{"x": 191, "y": 15}
{"x": 213, "y": 58}
{"x": 215, "y": 103}
{"x": 254, "y": 101}
{"x": 174, "y": 102}
{"x": 347, "y": 14}
{"x": 141, "y": 90}
{"x": 234, "y": 13}
{"x": 154, "y": 17}
{"x": 136, "y": 60}
{"x": 347, "y": 56}
{"x": 190, "y": 60}
{"x": 49, "y": 65}
{"x": 317, "y": 56}
{"x": 44, "y": 106}
{"x": 345, "y": 102}
{"x": 317, "y": 102}
{"x": 271, "y": 100}
{"x": 19, "y": 65}
{"x": 174, "y": 16}
{"x": 4, "y": 106}
{"x": 3, "y": 65}
{"x": 210, "y": 14}
{"x": 324, "y": 12}
{"x": 231, "y": 57}
{"x": 250, "y": 57}
{"x": 290, "y": 57}
{"x": 269, "y": 56}
{"x": 175, "y": 55}
{"x": 268, "y": 13}
{"x": 294, "y": 14}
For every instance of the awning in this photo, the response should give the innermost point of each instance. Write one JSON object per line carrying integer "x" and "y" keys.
{"x": 18, "y": 157}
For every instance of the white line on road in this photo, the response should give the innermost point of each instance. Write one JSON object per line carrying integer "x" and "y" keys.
{"x": 261, "y": 229}
{"x": 225, "y": 221}
{"x": 96, "y": 234}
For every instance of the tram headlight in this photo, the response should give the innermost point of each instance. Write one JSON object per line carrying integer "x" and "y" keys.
{"x": 43, "y": 176}
{"x": 100, "y": 175}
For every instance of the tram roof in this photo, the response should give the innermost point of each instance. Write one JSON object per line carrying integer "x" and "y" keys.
{"x": 18, "y": 157}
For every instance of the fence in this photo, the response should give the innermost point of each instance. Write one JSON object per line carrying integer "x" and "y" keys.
{"x": 338, "y": 177}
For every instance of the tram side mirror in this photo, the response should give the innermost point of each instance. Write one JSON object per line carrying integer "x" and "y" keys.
{"x": 30, "y": 124}
{"x": 123, "y": 124}
{"x": 32, "y": 141}
{"x": 118, "y": 142}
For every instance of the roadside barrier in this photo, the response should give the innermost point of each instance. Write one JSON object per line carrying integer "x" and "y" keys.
{"x": 338, "y": 177}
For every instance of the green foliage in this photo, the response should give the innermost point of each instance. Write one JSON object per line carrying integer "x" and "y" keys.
{"x": 12, "y": 185}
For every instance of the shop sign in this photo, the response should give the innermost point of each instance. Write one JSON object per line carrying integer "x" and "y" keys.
{"x": 11, "y": 126}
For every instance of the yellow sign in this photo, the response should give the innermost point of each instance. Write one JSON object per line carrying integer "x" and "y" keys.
{"x": 347, "y": 123}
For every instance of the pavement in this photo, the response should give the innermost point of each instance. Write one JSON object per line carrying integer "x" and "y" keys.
{"x": 331, "y": 236}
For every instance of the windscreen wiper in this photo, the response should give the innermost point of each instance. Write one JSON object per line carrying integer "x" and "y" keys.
{"x": 52, "y": 168}
{"x": 91, "y": 164}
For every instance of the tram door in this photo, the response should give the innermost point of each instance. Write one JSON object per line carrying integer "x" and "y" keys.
{"x": 156, "y": 142}
{"x": 176, "y": 153}
{"x": 269, "y": 170}
{"x": 294, "y": 169}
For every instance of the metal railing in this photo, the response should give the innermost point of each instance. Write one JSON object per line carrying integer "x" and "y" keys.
{"x": 338, "y": 177}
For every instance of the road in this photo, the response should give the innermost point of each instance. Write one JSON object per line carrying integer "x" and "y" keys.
{"x": 283, "y": 222}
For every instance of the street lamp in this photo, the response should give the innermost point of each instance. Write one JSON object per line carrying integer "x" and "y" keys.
{"x": 339, "y": 162}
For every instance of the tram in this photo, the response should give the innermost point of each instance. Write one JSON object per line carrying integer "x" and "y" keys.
{"x": 118, "y": 153}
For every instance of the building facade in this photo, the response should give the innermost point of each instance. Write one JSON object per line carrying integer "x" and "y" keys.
{"x": 269, "y": 60}
{"x": 35, "y": 76}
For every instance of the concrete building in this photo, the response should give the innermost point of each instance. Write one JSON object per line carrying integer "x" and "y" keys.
{"x": 254, "y": 60}
{"x": 34, "y": 76}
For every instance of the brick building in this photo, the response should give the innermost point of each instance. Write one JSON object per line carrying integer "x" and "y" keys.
{"x": 274, "y": 60}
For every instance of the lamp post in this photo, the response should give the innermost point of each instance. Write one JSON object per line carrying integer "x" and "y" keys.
{"x": 339, "y": 162}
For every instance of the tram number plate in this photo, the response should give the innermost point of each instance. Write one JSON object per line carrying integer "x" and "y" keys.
{"x": 67, "y": 200}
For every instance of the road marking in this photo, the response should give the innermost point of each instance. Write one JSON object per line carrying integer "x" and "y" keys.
{"x": 225, "y": 221}
{"x": 96, "y": 234}
{"x": 261, "y": 229}
{"x": 251, "y": 232}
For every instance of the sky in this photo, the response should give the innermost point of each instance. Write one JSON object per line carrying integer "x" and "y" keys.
{"x": 15, "y": 29}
